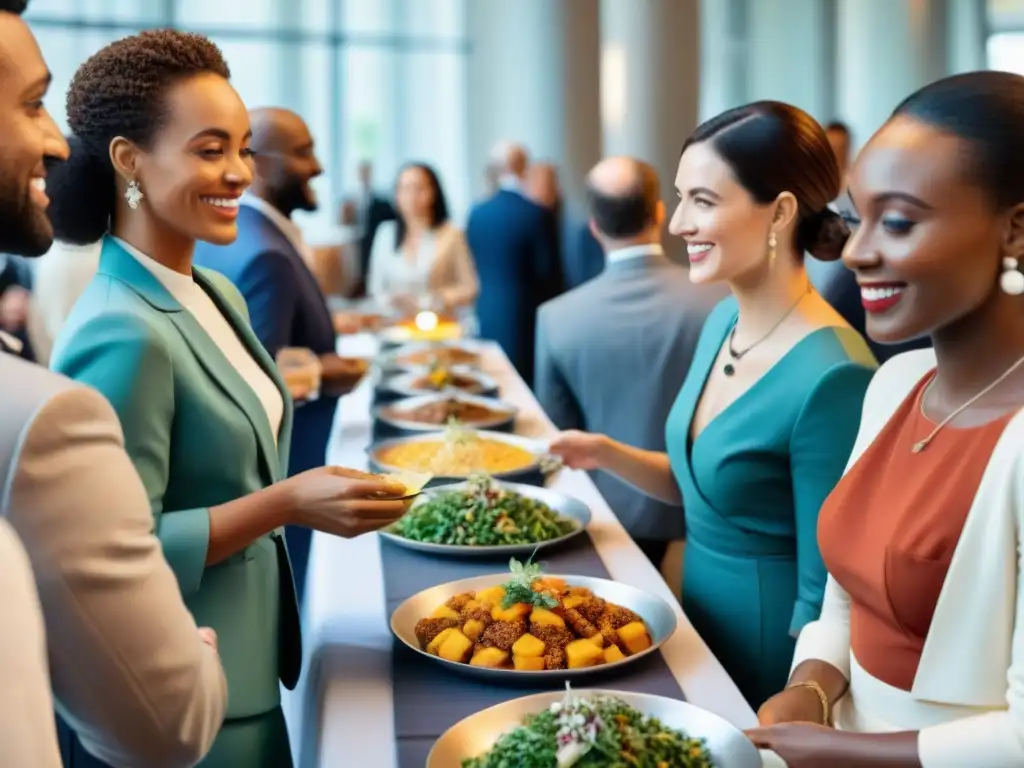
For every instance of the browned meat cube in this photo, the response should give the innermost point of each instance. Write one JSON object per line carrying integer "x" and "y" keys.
{"x": 503, "y": 634}
{"x": 427, "y": 629}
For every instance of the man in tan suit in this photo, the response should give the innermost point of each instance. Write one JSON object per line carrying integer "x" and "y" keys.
{"x": 27, "y": 733}
{"x": 130, "y": 672}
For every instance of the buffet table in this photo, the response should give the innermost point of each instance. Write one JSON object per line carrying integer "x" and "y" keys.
{"x": 342, "y": 712}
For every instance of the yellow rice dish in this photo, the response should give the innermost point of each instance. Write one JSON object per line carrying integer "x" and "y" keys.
{"x": 457, "y": 458}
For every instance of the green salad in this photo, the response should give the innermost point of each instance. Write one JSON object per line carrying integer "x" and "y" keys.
{"x": 483, "y": 514}
{"x": 598, "y": 732}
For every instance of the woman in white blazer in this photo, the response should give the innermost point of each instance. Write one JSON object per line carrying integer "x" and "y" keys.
{"x": 421, "y": 260}
{"x": 918, "y": 656}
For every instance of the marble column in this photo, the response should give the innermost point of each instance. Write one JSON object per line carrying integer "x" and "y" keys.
{"x": 534, "y": 78}
{"x": 790, "y": 54}
{"x": 886, "y": 49}
{"x": 650, "y": 75}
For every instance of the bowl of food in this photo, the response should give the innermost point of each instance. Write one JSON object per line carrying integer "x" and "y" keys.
{"x": 432, "y": 354}
{"x": 527, "y": 627}
{"x": 485, "y": 518}
{"x": 593, "y": 729}
{"x": 423, "y": 381}
{"x": 429, "y": 413}
{"x": 457, "y": 453}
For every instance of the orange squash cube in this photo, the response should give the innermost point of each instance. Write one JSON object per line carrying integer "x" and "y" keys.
{"x": 582, "y": 653}
{"x": 528, "y": 645}
{"x": 489, "y": 657}
{"x": 528, "y": 663}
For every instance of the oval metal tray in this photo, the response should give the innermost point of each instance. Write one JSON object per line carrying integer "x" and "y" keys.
{"x": 389, "y": 413}
{"x": 656, "y": 613}
{"x": 566, "y": 506}
{"x": 535, "y": 469}
{"x": 401, "y": 384}
{"x": 476, "y": 734}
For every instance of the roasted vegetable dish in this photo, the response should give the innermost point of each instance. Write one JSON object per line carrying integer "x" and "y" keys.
{"x": 594, "y": 732}
{"x": 444, "y": 412}
{"x": 482, "y": 514}
{"x": 532, "y": 624}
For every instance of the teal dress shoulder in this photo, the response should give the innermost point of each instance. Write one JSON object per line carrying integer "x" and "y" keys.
{"x": 199, "y": 436}
{"x": 752, "y": 483}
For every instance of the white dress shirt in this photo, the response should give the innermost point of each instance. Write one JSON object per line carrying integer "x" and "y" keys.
{"x": 194, "y": 299}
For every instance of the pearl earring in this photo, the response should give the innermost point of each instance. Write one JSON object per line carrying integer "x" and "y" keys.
{"x": 1012, "y": 279}
{"x": 134, "y": 195}
{"x": 773, "y": 243}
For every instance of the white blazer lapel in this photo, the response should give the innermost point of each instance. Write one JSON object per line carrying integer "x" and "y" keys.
{"x": 969, "y": 647}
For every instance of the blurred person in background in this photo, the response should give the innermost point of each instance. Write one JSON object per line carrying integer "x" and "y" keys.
{"x": 421, "y": 260}
{"x": 372, "y": 210}
{"x": 59, "y": 278}
{"x": 542, "y": 187}
{"x": 515, "y": 248}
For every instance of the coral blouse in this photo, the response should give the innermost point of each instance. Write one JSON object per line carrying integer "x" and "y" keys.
{"x": 889, "y": 529}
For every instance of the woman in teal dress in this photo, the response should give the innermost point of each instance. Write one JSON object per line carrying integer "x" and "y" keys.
{"x": 160, "y": 155}
{"x": 765, "y": 422}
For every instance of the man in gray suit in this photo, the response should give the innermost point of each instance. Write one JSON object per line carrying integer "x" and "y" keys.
{"x": 129, "y": 669}
{"x": 612, "y": 354}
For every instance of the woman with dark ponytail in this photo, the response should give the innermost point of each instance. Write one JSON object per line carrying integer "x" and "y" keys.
{"x": 160, "y": 157}
{"x": 766, "y": 419}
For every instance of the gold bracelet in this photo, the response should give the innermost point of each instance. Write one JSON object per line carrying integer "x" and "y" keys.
{"x": 825, "y": 706}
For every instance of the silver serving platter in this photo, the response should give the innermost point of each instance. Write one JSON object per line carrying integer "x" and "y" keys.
{"x": 393, "y": 359}
{"x": 402, "y": 383}
{"x": 656, "y": 613}
{"x": 390, "y": 413}
{"x": 536, "y": 447}
{"x": 476, "y": 734}
{"x": 566, "y": 506}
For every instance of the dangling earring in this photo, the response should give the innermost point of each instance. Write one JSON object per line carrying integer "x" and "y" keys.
{"x": 134, "y": 195}
{"x": 1012, "y": 279}
{"x": 773, "y": 243}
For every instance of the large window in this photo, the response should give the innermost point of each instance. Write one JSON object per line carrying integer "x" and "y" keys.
{"x": 376, "y": 80}
{"x": 1006, "y": 35}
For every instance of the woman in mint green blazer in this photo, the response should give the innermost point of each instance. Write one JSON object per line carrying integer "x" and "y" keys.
{"x": 160, "y": 157}
{"x": 767, "y": 416}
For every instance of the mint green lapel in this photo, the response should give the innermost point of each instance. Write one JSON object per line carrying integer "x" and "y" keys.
{"x": 119, "y": 264}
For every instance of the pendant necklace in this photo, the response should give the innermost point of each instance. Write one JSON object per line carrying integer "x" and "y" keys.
{"x": 920, "y": 445}
{"x": 738, "y": 354}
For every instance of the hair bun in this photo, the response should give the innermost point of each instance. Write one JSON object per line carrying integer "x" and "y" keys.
{"x": 82, "y": 194}
{"x": 823, "y": 235}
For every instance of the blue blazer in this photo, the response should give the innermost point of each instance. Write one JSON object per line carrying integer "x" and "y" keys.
{"x": 287, "y": 309}
{"x": 515, "y": 248}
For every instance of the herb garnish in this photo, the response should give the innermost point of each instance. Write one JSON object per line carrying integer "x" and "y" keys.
{"x": 519, "y": 589}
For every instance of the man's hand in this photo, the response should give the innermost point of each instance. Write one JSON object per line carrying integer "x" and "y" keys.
{"x": 14, "y": 308}
{"x": 340, "y": 375}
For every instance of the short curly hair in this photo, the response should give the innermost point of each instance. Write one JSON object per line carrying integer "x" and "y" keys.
{"x": 119, "y": 91}
{"x": 17, "y": 7}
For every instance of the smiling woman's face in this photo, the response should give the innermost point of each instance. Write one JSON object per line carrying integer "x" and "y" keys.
{"x": 200, "y": 161}
{"x": 928, "y": 241}
{"x": 725, "y": 229}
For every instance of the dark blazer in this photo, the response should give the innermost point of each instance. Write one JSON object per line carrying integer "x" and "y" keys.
{"x": 514, "y": 245}
{"x": 612, "y": 355}
{"x": 379, "y": 211}
{"x": 287, "y": 309}
{"x": 582, "y": 256}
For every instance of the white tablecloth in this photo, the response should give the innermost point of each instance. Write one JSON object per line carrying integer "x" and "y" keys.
{"x": 341, "y": 712}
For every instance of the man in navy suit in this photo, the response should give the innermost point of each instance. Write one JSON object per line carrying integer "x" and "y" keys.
{"x": 269, "y": 263}
{"x": 514, "y": 245}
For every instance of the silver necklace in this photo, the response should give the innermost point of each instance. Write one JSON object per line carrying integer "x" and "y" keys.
{"x": 737, "y": 354}
{"x": 920, "y": 445}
